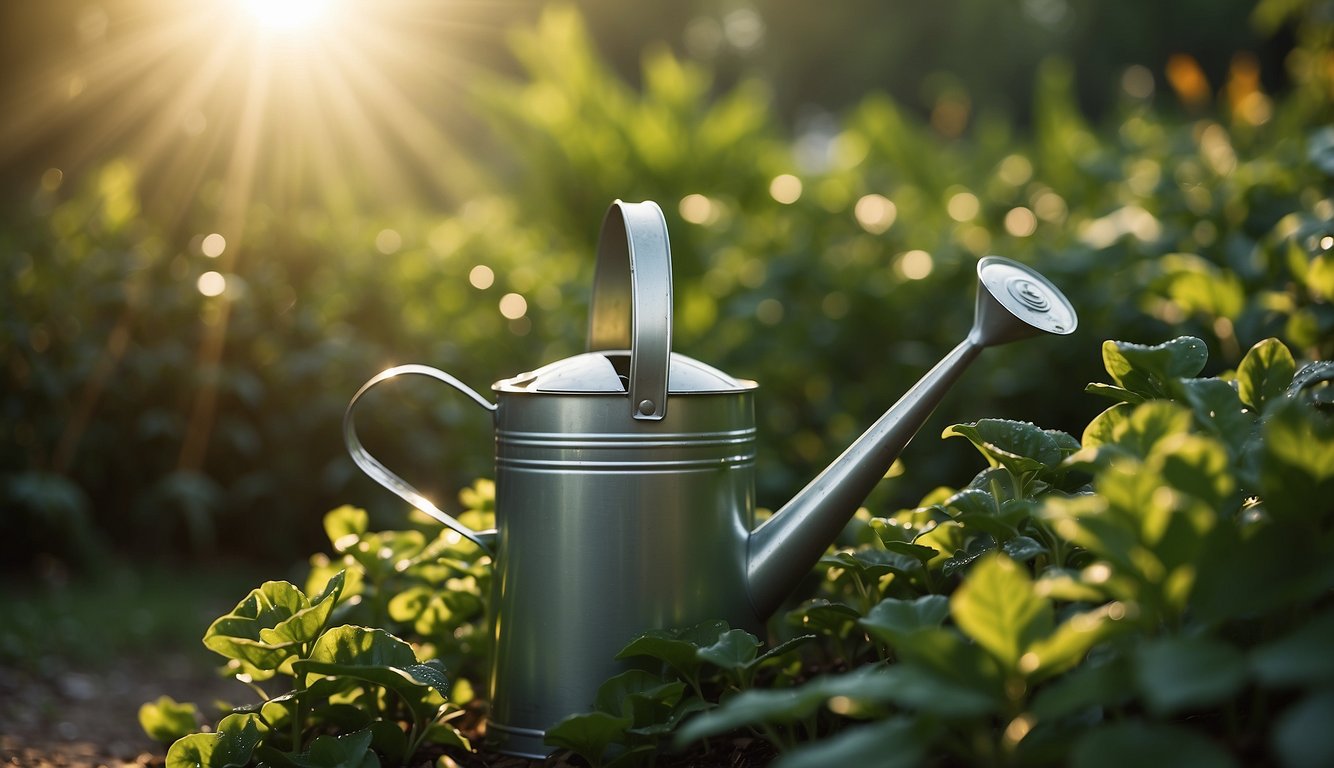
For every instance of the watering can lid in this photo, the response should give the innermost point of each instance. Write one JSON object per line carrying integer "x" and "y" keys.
{"x": 608, "y": 372}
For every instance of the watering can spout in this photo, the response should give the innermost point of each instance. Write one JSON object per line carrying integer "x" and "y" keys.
{"x": 1013, "y": 302}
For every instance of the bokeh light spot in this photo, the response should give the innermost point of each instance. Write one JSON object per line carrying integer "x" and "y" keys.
{"x": 785, "y": 188}
{"x": 213, "y": 245}
{"x": 1020, "y": 222}
{"x": 513, "y": 306}
{"x": 915, "y": 264}
{"x": 697, "y": 209}
{"x": 481, "y": 277}
{"x": 388, "y": 241}
{"x": 875, "y": 213}
{"x": 963, "y": 206}
{"x": 211, "y": 283}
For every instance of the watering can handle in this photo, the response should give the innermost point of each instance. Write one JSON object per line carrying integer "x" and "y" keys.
{"x": 382, "y": 474}
{"x": 632, "y": 301}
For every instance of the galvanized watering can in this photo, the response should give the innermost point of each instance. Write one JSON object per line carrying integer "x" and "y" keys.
{"x": 625, "y": 493}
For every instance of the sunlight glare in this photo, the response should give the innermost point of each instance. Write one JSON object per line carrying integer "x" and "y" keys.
{"x": 287, "y": 15}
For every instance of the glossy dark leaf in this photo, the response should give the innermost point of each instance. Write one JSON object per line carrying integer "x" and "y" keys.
{"x": 1265, "y": 374}
{"x": 1137, "y": 743}
{"x": 1176, "y": 674}
{"x": 1149, "y": 370}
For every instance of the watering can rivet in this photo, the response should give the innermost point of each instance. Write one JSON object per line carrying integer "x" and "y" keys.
{"x": 647, "y": 407}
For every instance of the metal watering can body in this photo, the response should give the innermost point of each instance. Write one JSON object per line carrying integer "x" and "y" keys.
{"x": 625, "y": 482}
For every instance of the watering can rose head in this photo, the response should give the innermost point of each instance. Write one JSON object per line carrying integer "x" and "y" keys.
{"x": 625, "y": 481}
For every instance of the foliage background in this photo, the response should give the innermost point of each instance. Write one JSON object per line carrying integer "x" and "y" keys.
{"x": 1169, "y": 173}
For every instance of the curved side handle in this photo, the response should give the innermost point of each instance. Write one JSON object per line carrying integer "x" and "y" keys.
{"x": 382, "y": 474}
{"x": 632, "y": 300}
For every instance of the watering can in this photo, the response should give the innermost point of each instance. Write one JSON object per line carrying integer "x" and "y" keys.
{"x": 625, "y": 482}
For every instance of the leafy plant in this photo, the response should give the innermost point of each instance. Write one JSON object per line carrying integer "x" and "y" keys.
{"x": 1129, "y": 591}
{"x": 349, "y": 687}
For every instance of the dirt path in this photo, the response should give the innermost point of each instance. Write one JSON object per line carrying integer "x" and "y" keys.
{"x": 75, "y": 718}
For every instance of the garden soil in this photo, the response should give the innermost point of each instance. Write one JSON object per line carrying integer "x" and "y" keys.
{"x": 89, "y": 718}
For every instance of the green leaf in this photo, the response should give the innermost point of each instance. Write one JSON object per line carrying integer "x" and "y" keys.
{"x": 1102, "y": 429}
{"x": 1265, "y": 373}
{"x": 891, "y": 618}
{"x": 1302, "y": 658}
{"x": 307, "y": 623}
{"x": 616, "y": 695}
{"x": 347, "y": 751}
{"x": 229, "y": 747}
{"x": 677, "y": 648}
{"x": 345, "y": 525}
{"x": 1219, "y": 409}
{"x": 1149, "y": 424}
{"x": 1149, "y": 371}
{"x": 1106, "y": 684}
{"x": 1310, "y": 375}
{"x": 820, "y": 615}
{"x": 1020, "y": 447}
{"x": 865, "y": 745}
{"x": 1302, "y": 736}
{"x": 1066, "y": 646}
{"x": 998, "y": 608}
{"x": 239, "y": 634}
{"x": 1297, "y": 466}
{"x": 1176, "y": 674}
{"x": 1022, "y": 549}
{"x": 735, "y": 649}
{"x": 588, "y": 734}
{"x": 1137, "y": 743}
{"x": 1120, "y": 394}
{"x": 165, "y": 720}
{"x": 359, "y": 645}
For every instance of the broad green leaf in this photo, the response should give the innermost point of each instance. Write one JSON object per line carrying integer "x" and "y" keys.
{"x": 1219, "y": 409}
{"x": 1102, "y": 429}
{"x": 347, "y": 751}
{"x": 1302, "y": 736}
{"x": 823, "y": 616}
{"x": 1066, "y": 646}
{"x": 998, "y": 608}
{"x": 947, "y": 656}
{"x": 231, "y": 746}
{"x": 238, "y": 634}
{"x": 734, "y": 650}
{"x": 1148, "y": 371}
{"x": 757, "y": 705}
{"x": 1022, "y": 549}
{"x": 1020, "y": 447}
{"x": 1297, "y": 466}
{"x": 1148, "y": 424}
{"x": 890, "y": 619}
{"x": 345, "y": 525}
{"x": 1177, "y": 674}
{"x": 788, "y": 705}
{"x": 588, "y": 734}
{"x": 918, "y": 552}
{"x": 616, "y": 694}
{"x": 1132, "y": 742}
{"x": 360, "y": 645}
{"x": 898, "y": 742}
{"x": 307, "y": 623}
{"x": 922, "y": 688}
{"x": 1310, "y": 375}
{"x": 1111, "y": 392}
{"x": 1302, "y": 658}
{"x": 677, "y": 648}
{"x": 166, "y": 720}
{"x": 1265, "y": 373}
{"x": 1106, "y": 684}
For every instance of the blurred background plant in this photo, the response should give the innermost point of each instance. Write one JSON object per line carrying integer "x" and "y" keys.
{"x": 220, "y": 219}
